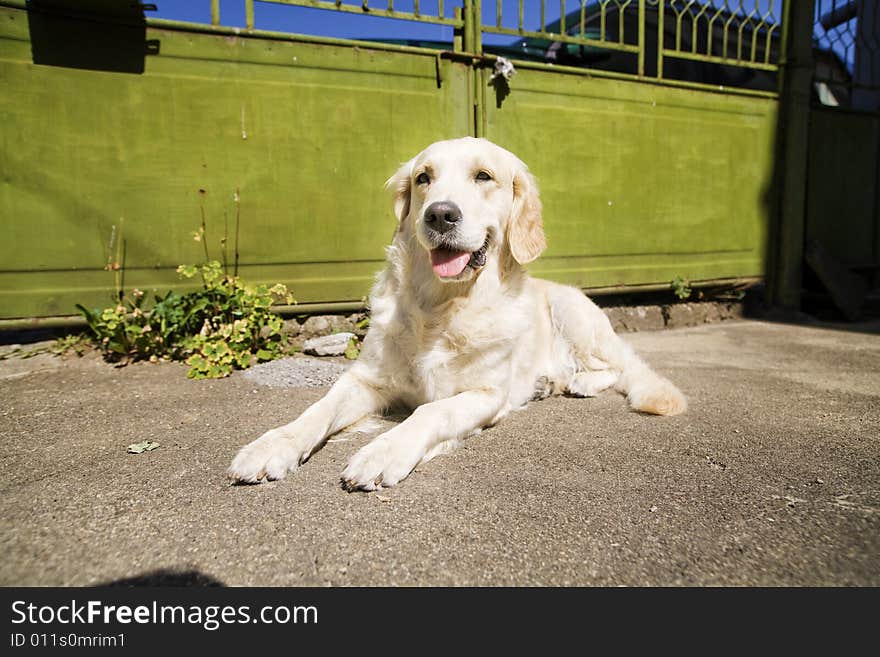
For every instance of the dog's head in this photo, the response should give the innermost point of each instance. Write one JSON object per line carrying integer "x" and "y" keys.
{"x": 467, "y": 201}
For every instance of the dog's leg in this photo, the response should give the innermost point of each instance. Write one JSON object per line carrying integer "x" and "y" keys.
{"x": 590, "y": 384}
{"x": 588, "y": 330}
{"x": 392, "y": 456}
{"x": 282, "y": 450}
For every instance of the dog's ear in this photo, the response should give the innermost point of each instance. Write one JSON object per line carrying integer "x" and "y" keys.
{"x": 525, "y": 230}
{"x": 400, "y": 185}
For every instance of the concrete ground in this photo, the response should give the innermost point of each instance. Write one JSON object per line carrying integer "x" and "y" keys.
{"x": 772, "y": 478}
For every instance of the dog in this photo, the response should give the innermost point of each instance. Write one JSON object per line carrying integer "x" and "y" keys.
{"x": 459, "y": 331}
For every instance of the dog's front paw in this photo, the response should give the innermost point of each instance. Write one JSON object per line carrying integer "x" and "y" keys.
{"x": 271, "y": 456}
{"x": 382, "y": 463}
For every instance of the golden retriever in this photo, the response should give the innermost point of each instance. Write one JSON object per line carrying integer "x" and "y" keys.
{"x": 458, "y": 330}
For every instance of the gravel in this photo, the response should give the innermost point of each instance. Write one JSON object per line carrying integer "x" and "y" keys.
{"x": 295, "y": 372}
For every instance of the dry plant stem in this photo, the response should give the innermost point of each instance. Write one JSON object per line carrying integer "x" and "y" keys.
{"x": 117, "y": 264}
{"x": 225, "y": 243}
{"x": 204, "y": 231}
{"x": 237, "y": 199}
{"x": 204, "y": 234}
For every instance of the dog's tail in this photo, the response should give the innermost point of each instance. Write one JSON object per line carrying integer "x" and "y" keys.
{"x": 645, "y": 390}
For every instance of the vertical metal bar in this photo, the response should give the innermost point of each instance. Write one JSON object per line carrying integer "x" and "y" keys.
{"x": 769, "y": 41}
{"x": 710, "y": 26}
{"x": 753, "y": 51}
{"x": 726, "y": 39}
{"x": 416, "y": 9}
{"x": 520, "y": 15}
{"x": 467, "y": 31}
{"x": 249, "y": 14}
{"x": 739, "y": 41}
{"x": 641, "y": 38}
{"x": 783, "y": 45}
{"x": 678, "y": 18}
{"x": 543, "y": 15}
{"x": 483, "y": 77}
{"x": 467, "y": 13}
{"x": 439, "y": 8}
{"x": 498, "y": 13}
{"x": 583, "y": 16}
{"x": 562, "y": 16}
{"x": 710, "y": 29}
{"x": 478, "y": 27}
{"x": 479, "y": 82}
{"x": 785, "y": 270}
{"x": 215, "y": 12}
{"x": 458, "y": 32}
{"x": 661, "y": 36}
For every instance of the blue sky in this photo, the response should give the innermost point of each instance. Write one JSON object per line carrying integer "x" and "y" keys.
{"x": 269, "y": 16}
{"x": 320, "y": 22}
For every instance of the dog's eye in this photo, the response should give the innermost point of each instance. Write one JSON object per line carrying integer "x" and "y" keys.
{"x": 482, "y": 176}
{"x": 423, "y": 179}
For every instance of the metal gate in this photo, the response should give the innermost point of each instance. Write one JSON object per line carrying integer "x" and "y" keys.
{"x": 650, "y": 124}
{"x": 656, "y": 159}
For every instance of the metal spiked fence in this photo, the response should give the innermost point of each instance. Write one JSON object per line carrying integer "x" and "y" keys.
{"x": 743, "y": 34}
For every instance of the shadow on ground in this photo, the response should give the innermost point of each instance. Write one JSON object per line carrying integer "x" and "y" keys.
{"x": 164, "y": 577}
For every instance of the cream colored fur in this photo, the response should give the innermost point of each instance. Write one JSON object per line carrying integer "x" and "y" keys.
{"x": 464, "y": 352}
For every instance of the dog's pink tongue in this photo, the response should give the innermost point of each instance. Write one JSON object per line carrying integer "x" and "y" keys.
{"x": 448, "y": 263}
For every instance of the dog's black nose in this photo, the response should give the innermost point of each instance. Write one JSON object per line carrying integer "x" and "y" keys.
{"x": 442, "y": 216}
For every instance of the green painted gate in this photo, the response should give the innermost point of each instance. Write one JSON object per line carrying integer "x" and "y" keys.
{"x": 646, "y": 174}
{"x": 650, "y": 182}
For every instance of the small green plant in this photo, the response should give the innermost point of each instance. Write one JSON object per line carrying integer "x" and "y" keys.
{"x": 352, "y": 351}
{"x": 240, "y": 329}
{"x": 223, "y": 326}
{"x": 226, "y": 325}
{"x": 681, "y": 287}
{"x": 75, "y": 342}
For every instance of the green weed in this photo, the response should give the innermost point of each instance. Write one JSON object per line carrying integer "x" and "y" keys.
{"x": 225, "y": 325}
{"x": 681, "y": 287}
